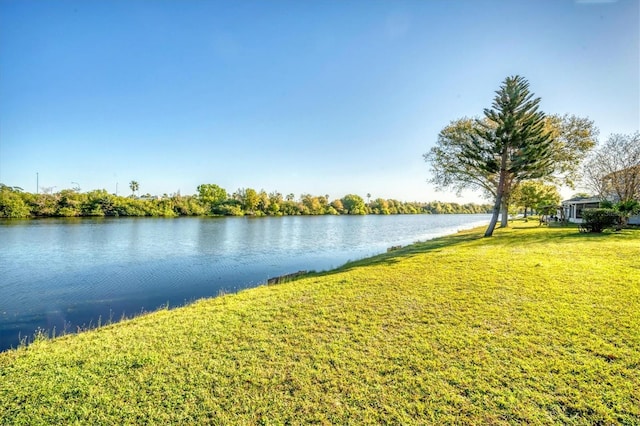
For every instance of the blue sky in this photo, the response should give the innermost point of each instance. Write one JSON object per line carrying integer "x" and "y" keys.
{"x": 320, "y": 96}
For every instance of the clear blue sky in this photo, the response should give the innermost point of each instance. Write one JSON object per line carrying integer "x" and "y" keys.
{"x": 319, "y": 96}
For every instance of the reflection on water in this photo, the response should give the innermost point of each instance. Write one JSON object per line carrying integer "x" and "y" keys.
{"x": 65, "y": 273}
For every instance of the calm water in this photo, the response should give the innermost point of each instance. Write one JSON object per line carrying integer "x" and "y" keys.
{"x": 67, "y": 273}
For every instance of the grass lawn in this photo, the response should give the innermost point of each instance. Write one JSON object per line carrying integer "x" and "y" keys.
{"x": 535, "y": 325}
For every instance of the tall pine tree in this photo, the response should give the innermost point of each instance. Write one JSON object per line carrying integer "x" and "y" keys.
{"x": 511, "y": 143}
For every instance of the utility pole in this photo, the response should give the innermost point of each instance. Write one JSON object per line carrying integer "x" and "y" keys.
{"x": 37, "y": 182}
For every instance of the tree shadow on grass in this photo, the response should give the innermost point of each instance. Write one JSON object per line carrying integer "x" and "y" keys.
{"x": 396, "y": 255}
{"x": 520, "y": 234}
{"x": 515, "y": 235}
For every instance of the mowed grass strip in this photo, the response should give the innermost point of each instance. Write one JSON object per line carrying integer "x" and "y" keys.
{"x": 535, "y": 325}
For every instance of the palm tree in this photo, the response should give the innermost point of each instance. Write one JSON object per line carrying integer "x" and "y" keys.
{"x": 134, "y": 185}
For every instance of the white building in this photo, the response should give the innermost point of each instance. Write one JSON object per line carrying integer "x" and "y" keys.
{"x": 572, "y": 209}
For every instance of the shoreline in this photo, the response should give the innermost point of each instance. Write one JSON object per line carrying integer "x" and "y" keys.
{"x": 95, "y": 272}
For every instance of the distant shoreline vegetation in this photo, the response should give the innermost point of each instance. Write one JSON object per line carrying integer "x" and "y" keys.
{"x": 211, "y": 200}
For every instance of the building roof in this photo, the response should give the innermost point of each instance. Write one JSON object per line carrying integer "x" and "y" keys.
{"x": 583, "y": 200}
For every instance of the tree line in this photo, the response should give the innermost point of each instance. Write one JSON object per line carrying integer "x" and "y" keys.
{"x": 211, "y": 200}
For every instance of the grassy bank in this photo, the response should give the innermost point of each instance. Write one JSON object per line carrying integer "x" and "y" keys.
{"x": 535, "y": 325}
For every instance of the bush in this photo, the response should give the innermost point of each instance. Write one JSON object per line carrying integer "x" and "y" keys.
{"x": 626, "y": 209}
{"x": 228, "y": 209}
{"x": 12, "y": 205}
{"x": 597, "y": 220}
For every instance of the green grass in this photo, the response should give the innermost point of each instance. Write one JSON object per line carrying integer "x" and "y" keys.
{"x": 535, "y": 325}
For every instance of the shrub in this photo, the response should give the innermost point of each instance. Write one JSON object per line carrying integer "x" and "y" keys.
{"x": 228, "y": 209}
{"x": 597, "y": 220}
{"x": 12, "y": 205}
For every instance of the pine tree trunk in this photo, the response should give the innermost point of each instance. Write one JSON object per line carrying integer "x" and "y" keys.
{"x": 499, "y": 194}
{"x": 497, "y": 207}
{"x": 504, "y": 223}
{"x": 494, "y": 217}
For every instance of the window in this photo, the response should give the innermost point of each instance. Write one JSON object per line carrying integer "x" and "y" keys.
{"x": 580, "y": 207}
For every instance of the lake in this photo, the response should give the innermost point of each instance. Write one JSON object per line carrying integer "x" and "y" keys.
{"x": 67, "y": 273}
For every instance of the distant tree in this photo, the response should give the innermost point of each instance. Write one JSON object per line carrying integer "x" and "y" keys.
{"x": 337, "y": 206}
{"x": 98, "y": 203}
{"x": 12, "y": 204}
{"x": 534, "y": 194}
{"x": 313, "y": 205}
{"x": 613, "y": 170}
{"x": 354, "y": 204}
{"x": 45, "y": 204}
{"x": 275, "y": 203}
{"x": 69, "y": 202}
{"x": 193, "y": 206}
{"x": 379, "y": 206}
{"x": 15, "y": 189}
{"x": 581, "y": 195}
{"x": 263, "y": 202}
{"x": 134, "y": 186}
{"x": 230, "y": 207}
{"x": 250, "y": 199}
{"x": 290, "y": 207}
{"x": 211, "y": 194}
